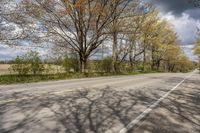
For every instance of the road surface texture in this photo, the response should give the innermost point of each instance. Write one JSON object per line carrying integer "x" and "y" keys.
{"x": 149, "y": 103}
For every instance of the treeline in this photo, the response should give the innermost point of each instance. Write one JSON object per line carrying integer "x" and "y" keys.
{"x": 197, "y": 51}
{"x": 32, "y": 64}
{"x": 132, "y": 32}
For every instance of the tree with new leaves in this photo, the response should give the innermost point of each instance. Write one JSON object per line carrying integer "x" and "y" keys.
{"x": 118, "y": 28}
{"x": 148, "y": 34}
{"x": 77, "y": 25}
{"x": 125, "y": 27}
{"x": 197, "y": 50}
{"x": 163, "y": 37}
{"x": 134, "y": 30}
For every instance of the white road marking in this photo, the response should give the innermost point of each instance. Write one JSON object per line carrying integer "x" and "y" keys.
{"x": 150, "y": 108}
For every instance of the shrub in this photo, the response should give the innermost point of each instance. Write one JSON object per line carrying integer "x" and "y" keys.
{"x": 28, "y": 63}
{"x": 70, "y": 64}
{"x": 20, "y": 66}
{"x": 106, "y": 64}
{"x": 33, "y": 58}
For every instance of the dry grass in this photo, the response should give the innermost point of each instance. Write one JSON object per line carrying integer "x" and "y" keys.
{"x": 4, "y": 68}
{"x": 49, "y": 69}
{"x": 53, "y": 69}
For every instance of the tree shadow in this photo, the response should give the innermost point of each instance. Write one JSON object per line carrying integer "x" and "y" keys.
{"x": 178, "y": 113}
{"x": 80, "y": 111}
{"x": 102, "y": 110}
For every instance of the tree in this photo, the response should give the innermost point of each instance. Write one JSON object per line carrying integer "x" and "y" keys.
{"x": 20, "y": 66}
{"x": 134, "y": 50}
{"x": 134, "y": 30}
{"x": 197, "y": 49}
{"x": 163, "y": 36}
{"x": 119, "y": 29}
{"x": 28, "y": 63}
{"x": 77, "y": 25}
{"x": 33, "y": 59}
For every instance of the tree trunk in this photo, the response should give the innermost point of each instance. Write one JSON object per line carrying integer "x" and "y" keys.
{"x": 199, "y": 64}
{"x": 131, "y": 60}
{"x": 144, "y": 59}
{"x": 153, "y": 62}
{"x": 158, "y": 65}
{"x": 114, "y": 53}
{"x": 83, "y": 63}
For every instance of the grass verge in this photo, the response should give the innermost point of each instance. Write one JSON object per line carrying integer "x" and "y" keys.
{"x": 14, "y": 79}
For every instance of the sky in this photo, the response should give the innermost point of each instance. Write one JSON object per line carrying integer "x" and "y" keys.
{"x": 183, "y": 15}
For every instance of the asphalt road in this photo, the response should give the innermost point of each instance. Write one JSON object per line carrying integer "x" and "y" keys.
{"x": 149, "y": 103}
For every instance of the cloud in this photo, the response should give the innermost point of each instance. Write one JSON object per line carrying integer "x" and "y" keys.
{"x": 188, "y": 50}
{"x": 185, "y": 18}
{"x": 185, "y": 26}
{"x": 10, "y": 53}
{"x": 178, "y": 7}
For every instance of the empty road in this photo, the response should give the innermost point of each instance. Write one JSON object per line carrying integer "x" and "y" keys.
{"x": 148, "y": 103}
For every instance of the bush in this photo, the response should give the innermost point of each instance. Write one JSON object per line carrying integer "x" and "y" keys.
{"x": 70, "y": 64}
{"x": 106, "y": 65}
{"x": 28, "y": 63}
{"x": 21, "y": 66}
{"x": 33, "y": 58}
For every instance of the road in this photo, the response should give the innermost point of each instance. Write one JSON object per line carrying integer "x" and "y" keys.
{"x": 148, "y": 103}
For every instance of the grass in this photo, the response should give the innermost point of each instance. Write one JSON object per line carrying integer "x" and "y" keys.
{"x": 14, "y": 78}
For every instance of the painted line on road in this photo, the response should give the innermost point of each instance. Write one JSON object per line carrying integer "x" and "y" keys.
{"x": 133, "y": 123}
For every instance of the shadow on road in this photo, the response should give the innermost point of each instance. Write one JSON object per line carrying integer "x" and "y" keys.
{"x": 77, "y": 112}
{"x": 105, "y": 110}
{"x": 178, "y": 113}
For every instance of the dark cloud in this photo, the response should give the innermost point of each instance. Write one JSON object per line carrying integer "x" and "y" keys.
{"x": 177, "y": 7}
{"x": 194, "y": 13}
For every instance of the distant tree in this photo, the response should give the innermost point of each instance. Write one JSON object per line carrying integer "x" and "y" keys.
{"x": 28, "y": 63}
{"x": 197, "y": 50}
{"x": 20, "y": 66}
{"x": 34, "y": 60}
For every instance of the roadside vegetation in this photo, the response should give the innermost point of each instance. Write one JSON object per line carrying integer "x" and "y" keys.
{"x": 30, "y": 68}
{"x": 98, "y": 38}
{"x": 197, "y": 50}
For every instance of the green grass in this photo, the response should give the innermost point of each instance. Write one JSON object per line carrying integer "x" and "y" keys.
{"x": 14, "y": 78}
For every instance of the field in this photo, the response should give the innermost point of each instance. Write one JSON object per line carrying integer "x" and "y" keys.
{"x": 49, "y": 69}
{"x": 4, "y": 69}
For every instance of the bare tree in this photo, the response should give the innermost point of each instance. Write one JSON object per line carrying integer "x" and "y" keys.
{"x": 11, "y": 23}
{"x": 77, "y": 25}
{"x": 119, "y": 27}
